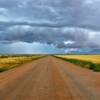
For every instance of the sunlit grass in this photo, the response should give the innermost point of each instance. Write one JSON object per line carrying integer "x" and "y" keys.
{"x": 7, "y": 62}
{"x": 92, "y": 58}
{"x": 87, "y": 61}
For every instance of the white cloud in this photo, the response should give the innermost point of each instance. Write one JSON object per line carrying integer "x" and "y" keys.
{"x": 69, "y": 42}
{"x": 71, "y": 50}
{"x": 3, "y": 11}
{"x": 90, "y": 1}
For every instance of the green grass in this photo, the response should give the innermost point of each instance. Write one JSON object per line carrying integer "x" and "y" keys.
{"x": 83, "y": 63}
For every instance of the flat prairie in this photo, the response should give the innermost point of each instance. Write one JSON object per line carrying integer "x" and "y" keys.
{"x": 92, "y": 58}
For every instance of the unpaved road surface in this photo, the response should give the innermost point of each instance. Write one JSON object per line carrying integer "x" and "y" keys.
{"x": 49, "y": 78}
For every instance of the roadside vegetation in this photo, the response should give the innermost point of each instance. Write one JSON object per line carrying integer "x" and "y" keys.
{"x": 92, "y": 58}
{"x": 10, "y": 61}
{"x": 86, "y": 61}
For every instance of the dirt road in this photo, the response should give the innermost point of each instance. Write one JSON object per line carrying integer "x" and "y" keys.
{"x": 49, "y": 78}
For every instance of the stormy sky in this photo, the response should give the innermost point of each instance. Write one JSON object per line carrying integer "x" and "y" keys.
{"x": 49, "y": 26}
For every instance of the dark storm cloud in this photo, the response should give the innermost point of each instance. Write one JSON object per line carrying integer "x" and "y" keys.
{"x": 62, "y": 23}
{"x": 59, "y": 37}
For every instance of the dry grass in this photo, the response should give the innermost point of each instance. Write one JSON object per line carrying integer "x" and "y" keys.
{"x": 92, "y": 58}
{"x": 87, "y": 61}
{"x": 8, "y": 62}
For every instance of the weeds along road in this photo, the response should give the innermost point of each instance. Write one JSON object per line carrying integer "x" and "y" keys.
{"x": 49, "y": 78}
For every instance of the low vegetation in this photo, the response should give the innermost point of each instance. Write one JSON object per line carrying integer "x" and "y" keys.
{"x": 91, "y": 58}
{"x": 10, "y": 61}
{"x": 87, "y": 61}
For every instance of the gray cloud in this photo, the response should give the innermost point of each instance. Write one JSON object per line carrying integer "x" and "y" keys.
{"x": 62, "y": 23}
{"x": 60, "y": 37}
{"x": 75, "y": 13}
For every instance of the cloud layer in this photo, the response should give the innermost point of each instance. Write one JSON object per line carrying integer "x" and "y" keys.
{"x": 65, "y": 24}
{"x": 78, "y": 13}
{"x": 59, "y": 37}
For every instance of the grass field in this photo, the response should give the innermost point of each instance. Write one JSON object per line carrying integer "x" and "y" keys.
{"x": 10, "y": 61}
{"x": 87, "y": 61}
{"x": 92, "y": 58}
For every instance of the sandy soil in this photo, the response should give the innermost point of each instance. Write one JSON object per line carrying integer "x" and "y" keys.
{"x": 49, "y": 78}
